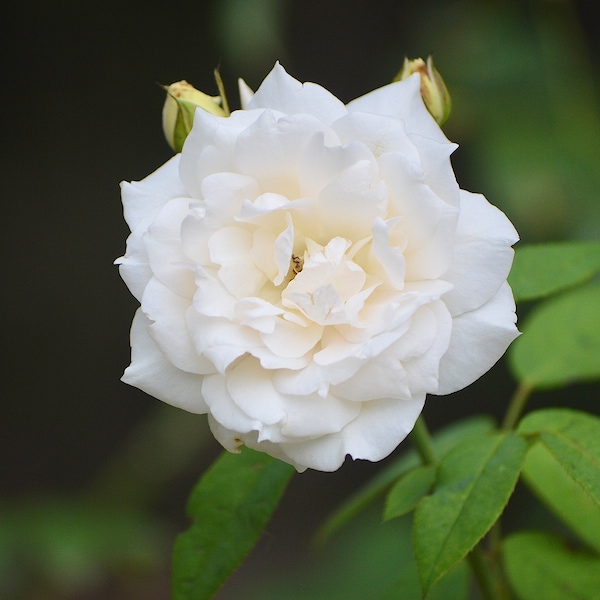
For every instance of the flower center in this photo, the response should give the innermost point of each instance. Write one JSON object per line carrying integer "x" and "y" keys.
{"x": 297, "y": 264}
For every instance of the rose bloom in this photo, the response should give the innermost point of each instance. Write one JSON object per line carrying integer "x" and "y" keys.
{"x": 308, "y": 271}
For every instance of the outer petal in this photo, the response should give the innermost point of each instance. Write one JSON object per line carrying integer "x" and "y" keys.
{"x": 151, "y": 372}
{"x": 134, "y": 267}
{"x": 166, "y": 312}
{"x": 143, "y": 199}
{"x": 403, "y": 100}
{"x": 479, "y": 338}
{"x": 233, "y": 441}
{"x": 162, "y": 241}
{"x": 482, "y": 254}
{"x": 380, "y": 427}
{"x": 282, "y": 92}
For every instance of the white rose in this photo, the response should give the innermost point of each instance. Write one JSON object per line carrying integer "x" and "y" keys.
{"x": 308, "y": 271}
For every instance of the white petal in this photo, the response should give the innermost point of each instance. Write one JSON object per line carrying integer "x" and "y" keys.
{"x": 375, "y": 433}
{"x": 222, "y": 407}
{"x": 233, "y": 441}
{"x": 134, "y": 267}
{"x": 209, "y": 147}
{"x": 162, "y": 241}
{"x": 349, "y": 204}
{"x": 291, "y": 340}
{"x": 143, "y": 199}
{"x": 434, "y": 157}
{"x": 220, "y": 340}
{"x": 252, "y": 389}
{"x": 403, "y": 100}
{"x": 282, "y": 92}
{"x": 428, "y": 223}
{"x": 151, "y": 372}
{"x": 479, "y": 218}
{"x": 479, "y": 338}
{"x": 482, "y": 254}
{"x": 246, "y": 93}
{"x": 320, "y": 164}
{"x": 167, "y": 313}
{"x": 389, "y": 259}
{"x": 212, "y": 298}
{"x": 380, "y": 133}
{"x": 268, "y": 150}
{"x": 231, "y": 247}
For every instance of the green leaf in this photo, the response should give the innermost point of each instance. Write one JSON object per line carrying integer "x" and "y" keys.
{"x": 573, "y": 437}
{"x": 230, "y": 506}
{"x": 443, "y": 440}
{"x": 546, "y": 477}
{"x": 561, "y": 341}
{"x": 408, "y": 490}
{"x": 540, "y": 565}
{"x": 475, "y": 481}
{"x": 540, "y": 270}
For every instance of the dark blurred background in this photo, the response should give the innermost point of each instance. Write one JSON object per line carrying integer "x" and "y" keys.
{"x": 94, "y": 474}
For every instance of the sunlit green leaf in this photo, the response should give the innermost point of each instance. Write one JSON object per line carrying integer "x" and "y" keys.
{"x": 444, "y": 441}
{"x": 230, "y": 506}
{"x": 550, "y": 482}
{"x": 540, "y": 270}
{"x": 541, "y": 566}
{"x": 573, "y": 437}
{"x": 561, "y": 341}
{"x": 408, "y": 490}
{"x": 475, "y": 481}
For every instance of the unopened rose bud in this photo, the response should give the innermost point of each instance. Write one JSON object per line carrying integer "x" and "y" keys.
{"x": 433, "y": 89}
{"x": 179, "y": 108}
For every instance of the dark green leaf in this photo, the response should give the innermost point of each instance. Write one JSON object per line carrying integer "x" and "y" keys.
{"x": 549, "y": 481}
{"x": 561, "y": 341}
{"x": 475, "y": 481}
{"x": 573, "y": 437}
{"x": 444, "y": 441}
{"x": 230, "y": 506}
{"x": 543, "y": 269}
{"x": 541, "y": 566}
{"x": 408, "y": 490}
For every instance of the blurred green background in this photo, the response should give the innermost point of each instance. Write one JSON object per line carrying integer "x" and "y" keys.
{"x": 94, "y": 474}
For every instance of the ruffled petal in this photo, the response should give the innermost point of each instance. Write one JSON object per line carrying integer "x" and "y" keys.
{"x": 166, "y": 312}
{"x": 143, "y": 199}
{"x": 482, "y": 254}
{"x": 479, "y": 338}
{"x": 282, "y": 92}
{"x": 134, "y": 267}
{"x": 153, "y": 373}
{"x": 401, "y": 99}
{"x": 373, "y": 435}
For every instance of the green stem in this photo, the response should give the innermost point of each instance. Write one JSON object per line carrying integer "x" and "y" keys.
{"x": 516, "y": 406}
{"x": 423, "y": 442}
{"x": 489, "y": 585}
